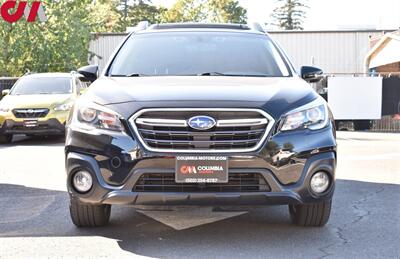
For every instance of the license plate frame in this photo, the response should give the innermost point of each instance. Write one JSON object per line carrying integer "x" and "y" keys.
{"x": 202, "y": 169}
{"x": 30, "y": 124}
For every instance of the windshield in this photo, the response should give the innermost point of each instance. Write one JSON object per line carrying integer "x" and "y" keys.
{"x": 199, "y": 53}
{"x": 42, "y": 85}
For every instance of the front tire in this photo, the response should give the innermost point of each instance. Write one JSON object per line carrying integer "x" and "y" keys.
{"x": 311, "y": 215}
{"x": 87, "y": 215}
{"x": 6, "y": 139}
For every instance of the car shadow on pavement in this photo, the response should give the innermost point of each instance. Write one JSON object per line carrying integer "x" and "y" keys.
{"x": 360, "y": 214}
{"x": 21, "y": 140}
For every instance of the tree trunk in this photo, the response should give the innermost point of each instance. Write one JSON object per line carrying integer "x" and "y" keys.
{"x": 6, "y": 49}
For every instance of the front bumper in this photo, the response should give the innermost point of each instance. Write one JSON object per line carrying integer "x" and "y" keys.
{"x": 49, "y": 127}
{"x": 287, "y": 176}
{"x": 279, "y": 194}
{"x": 52, "y": 124}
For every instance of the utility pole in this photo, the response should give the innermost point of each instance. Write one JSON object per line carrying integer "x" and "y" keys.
{"x": 125, "y": 10}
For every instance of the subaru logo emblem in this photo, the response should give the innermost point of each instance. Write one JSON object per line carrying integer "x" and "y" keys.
{"x": 202, "y": 123}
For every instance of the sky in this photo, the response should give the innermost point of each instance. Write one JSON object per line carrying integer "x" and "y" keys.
{"x": 329, "y": 14}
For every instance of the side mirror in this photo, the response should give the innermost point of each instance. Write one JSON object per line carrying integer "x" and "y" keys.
{"x": 311, "y": 74}
{"x": 91, "y": 72}
{"x": 5, "y": 92}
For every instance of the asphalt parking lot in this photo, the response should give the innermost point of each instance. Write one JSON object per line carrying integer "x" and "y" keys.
{"x": 34, "y": 216}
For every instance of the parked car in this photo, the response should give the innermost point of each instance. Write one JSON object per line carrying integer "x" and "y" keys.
{"x": 200, "y": 114}
{"x": 38, "y": 104}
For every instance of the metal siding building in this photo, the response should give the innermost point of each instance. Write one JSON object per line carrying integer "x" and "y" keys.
{"x": 102, "y": 47}
{"x": 335, "y": 52}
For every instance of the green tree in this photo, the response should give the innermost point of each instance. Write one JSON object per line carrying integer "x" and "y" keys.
{"x": 290, "y": 14}
{"x": 226, "y": 11}
{"x": 220, "y": 11}
{"x": 60, "y": 44}
{"x": 145, "y": 12}
{"x": 132, "y": 12}
{"x": 185, "y": 11}
{"x": 104, "y": 16}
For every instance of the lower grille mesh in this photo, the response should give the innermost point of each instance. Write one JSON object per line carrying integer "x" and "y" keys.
{"x": 165, "y": 182}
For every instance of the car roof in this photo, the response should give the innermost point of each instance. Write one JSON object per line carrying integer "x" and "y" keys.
{"x": 198, "y": 27}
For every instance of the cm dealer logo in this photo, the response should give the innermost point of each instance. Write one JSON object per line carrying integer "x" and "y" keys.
{"x": 13, "y": 11}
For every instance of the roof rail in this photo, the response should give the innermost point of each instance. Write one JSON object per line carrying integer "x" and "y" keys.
{"x": 251, "y": 26}
{"x": 256, "y": 26}
{"x": 27, "y": 72}
{"x": 200, "y": 26}
{"x": 143, "y": 25}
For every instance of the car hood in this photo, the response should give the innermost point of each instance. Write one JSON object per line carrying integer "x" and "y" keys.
{"x": 275, "y": 94}
{"x": 34, "y": 101}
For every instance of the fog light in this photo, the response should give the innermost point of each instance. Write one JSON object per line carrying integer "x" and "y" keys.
{"x": 319, "y": 182}
{"x": 82, "y": 181}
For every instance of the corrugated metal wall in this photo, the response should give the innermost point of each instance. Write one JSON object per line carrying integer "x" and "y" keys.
{"x": 333, "y": 51}
{"x": 103, "y": 46}
{"x": 6, "y": 83}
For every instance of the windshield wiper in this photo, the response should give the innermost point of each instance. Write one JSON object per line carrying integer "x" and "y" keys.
{"x": 136, "y": 75}
{"x": 238, "y": 75}
{"x": 212, "y": 74}
{"x": 130, "y": 75}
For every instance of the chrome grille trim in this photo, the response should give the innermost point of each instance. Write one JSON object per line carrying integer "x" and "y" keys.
{"x": 189, "y": 133}
{"x": 242, "y": 122}
{"x": 183, "y": 123}
{"x": 30, "y": 113}
{"x": 162, "y": 122}
{"x": 268, "y": 121}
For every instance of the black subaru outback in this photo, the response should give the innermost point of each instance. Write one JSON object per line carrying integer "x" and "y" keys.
{"x": 200, "y": 114}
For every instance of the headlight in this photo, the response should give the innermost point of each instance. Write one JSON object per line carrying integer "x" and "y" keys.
{"x": 64, "y": 107}
{"x": 90, "y": 116}
{"x": 312, "y": 116}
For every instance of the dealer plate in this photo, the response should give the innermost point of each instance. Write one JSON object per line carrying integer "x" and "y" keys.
{"x": 30, "y": 123}
{"x": 201, "y": 169}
